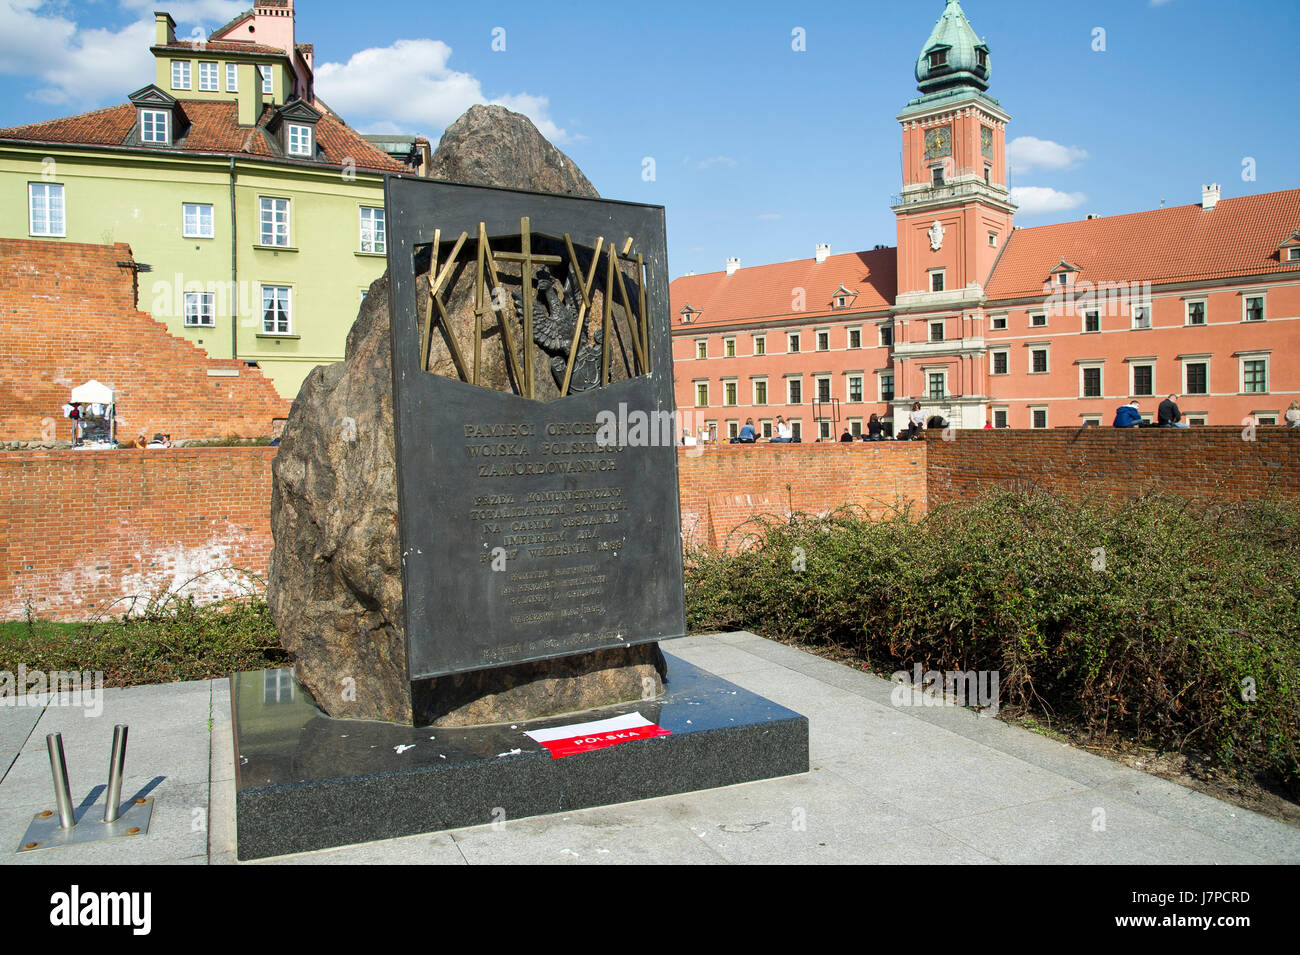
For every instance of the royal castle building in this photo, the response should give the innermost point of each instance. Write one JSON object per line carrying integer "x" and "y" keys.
{"x": 982, "y": 321}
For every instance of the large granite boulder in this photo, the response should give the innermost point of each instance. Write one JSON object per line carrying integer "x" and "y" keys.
{"x": 335, "y": 578}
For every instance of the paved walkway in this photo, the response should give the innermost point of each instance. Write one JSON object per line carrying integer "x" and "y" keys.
{"x": 888, "y": 784}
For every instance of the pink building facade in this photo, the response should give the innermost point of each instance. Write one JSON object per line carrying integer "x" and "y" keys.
{"x": 984, "y": 322}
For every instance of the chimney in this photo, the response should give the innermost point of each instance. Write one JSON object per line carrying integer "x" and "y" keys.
{"x": 823, "y": 250}
{"x": 1093, "y": 215}
{"x": 164, "y": 29}
{"x": 250, "y": 94}
{"x": 732, "y": 265}
{"x": 1209, "y": 195}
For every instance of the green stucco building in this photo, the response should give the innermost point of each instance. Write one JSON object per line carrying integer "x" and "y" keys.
{"x": 255, "y": 213}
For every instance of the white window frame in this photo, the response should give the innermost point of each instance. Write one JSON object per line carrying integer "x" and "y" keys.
{"x": 797, "y": 339}
{"x": 1034, "y": 318}
{"x": 698, "y": 386}
{"x": 1133, "y": 315}
{"x": 848, "y": 390}
{"x": 275, "y": 206}
{"x": 1133, "y": 366}
{"x": 1196, "y": 360}
{"x": 200, "y": 310}
{"x": 206, "y": 85}
{"x": 733, "y": 429}
{"x": 1293, "y": 254}
{"x": 796, "y": 427}
{"x": 929, "y": 330}
{"x": 1034, "y": 409}
{"x": 268, "y": 78}
{"x": 372, "y": 222}
{"x": 929, "y": 393}
{"x": 1083, "y": 321}
{"x": 734, "y": 395}
{"x": 181, "y": 74}
{"x": 299, "y": 140}
{"x": 849, "y": 337}
{"x": 830, "y": 388}
{"x": 729, "y": 348}
{"x": 149, "y": 124}
{"x": 1244, "y": 357}
{"x": 50, "y": 190}
{"x": 760, "y": 344}
{"x": 1245, "y": 303}
{"x": 287, "y": 308}
{"x": 1101, "y": 378}
{"x": 701, "y": 345}
{"x": 753, "y": 388}
{"x": 1205, "y": 311}
{"x": 789, "y": 398}
{"x": 1093, "y": 419}
{"x": 993, "y": 236}
{"x": 855, "y": 427}
{"x": 817, "y": 339}
{"x": 880, "y": 385}
{"x": 765, "y": 427}
{"x": 994, "y": 323}
{"x": 1003, "y": 410}
{"x": 198, "y": 231}
{"x": 886, "y": 331}
{"x": 232, "y": 77}
{"x": 943, "y": 280}
{"x": 1006, "y": 353}
{"x": 1047, "y": 359}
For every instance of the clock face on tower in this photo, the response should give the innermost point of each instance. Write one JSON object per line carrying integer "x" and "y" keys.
{"x": 938, "y": 142}
{"x": 986, "y": 142}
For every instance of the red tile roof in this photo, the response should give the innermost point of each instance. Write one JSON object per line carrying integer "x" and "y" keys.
{"x": 1179, "y": 244}
{"x": 767, "y": 292}
{"x": 220, "y": 46}
{"x": 214, "y": 128}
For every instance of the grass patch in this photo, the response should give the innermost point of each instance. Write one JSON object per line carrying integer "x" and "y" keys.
{"x": 1173, "y": 623}
{"x": 173, "y": 640}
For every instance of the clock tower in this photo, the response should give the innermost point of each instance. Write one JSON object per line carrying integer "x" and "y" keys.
{"x": 954, "y": 216}
{"x": 955, "y": 210}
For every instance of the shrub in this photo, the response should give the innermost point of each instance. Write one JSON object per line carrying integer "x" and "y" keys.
{"x": 1196, "y": 609}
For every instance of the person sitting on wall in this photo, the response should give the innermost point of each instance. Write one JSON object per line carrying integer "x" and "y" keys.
{"x": 846, "y": 437}
{"x": 1168, "y": 415}
{"x": 916, "y": 422}
{"x": 1292, "y": 416}
{"x": 1128, "y": 416}
{"x": 747, "y": 434}
{"x": 875, "y": 430}
{"x": 784, "y": 433}
{"x": 139, "y": 442}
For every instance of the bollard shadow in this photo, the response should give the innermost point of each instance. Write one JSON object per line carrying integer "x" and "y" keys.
{"x": 145, "y": 790}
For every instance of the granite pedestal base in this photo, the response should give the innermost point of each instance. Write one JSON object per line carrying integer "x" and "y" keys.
{"x": 304, "y": 781}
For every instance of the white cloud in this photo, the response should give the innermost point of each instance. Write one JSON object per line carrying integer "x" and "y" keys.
{"x": 85, "y": 67}
{"x": 717, "y": 161}
{"x": 409, "y": 87}
{"x": 1040, "y": 200}
{"x": 1025, "y": 153}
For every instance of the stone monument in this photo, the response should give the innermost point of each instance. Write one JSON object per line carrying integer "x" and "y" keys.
{"x": 477, "y": 531}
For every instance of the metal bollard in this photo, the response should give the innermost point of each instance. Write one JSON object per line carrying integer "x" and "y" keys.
{"x": 62, "y": 792}
{"x": 116, "y": 761}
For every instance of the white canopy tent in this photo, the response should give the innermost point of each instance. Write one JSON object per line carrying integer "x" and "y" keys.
{"x": 98, "y": 395}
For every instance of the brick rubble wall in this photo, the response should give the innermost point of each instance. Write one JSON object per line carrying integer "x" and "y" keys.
{"x": 68, "y": 315}
{"x": 82, "y": 529}
{"x": 1209, "y": 463}
{"x": 725, "y": 487}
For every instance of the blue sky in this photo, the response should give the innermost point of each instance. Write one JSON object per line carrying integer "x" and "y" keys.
{"x": 760, "y": 151}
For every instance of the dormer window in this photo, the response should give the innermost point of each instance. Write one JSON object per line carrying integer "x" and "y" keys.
{"x": 982, "y": 58}
{"x": 155, "y": 127}
{"x": 299, "y": 140}
{"x": 1293, "y": 255}
{"x": 843, "y": 297}
{"x": 1064, "y": 273}
{"x": 938, "y": 58}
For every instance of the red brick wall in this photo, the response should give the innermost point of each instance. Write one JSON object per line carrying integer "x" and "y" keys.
{"x": 68, "y": 314}
{"x": 1199, "y": 462}
{"x": 81, "y": 529}
{"x": 725, "y": 486}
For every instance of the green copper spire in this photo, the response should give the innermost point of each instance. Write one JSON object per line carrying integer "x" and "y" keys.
{"x": 953, "y": 56}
